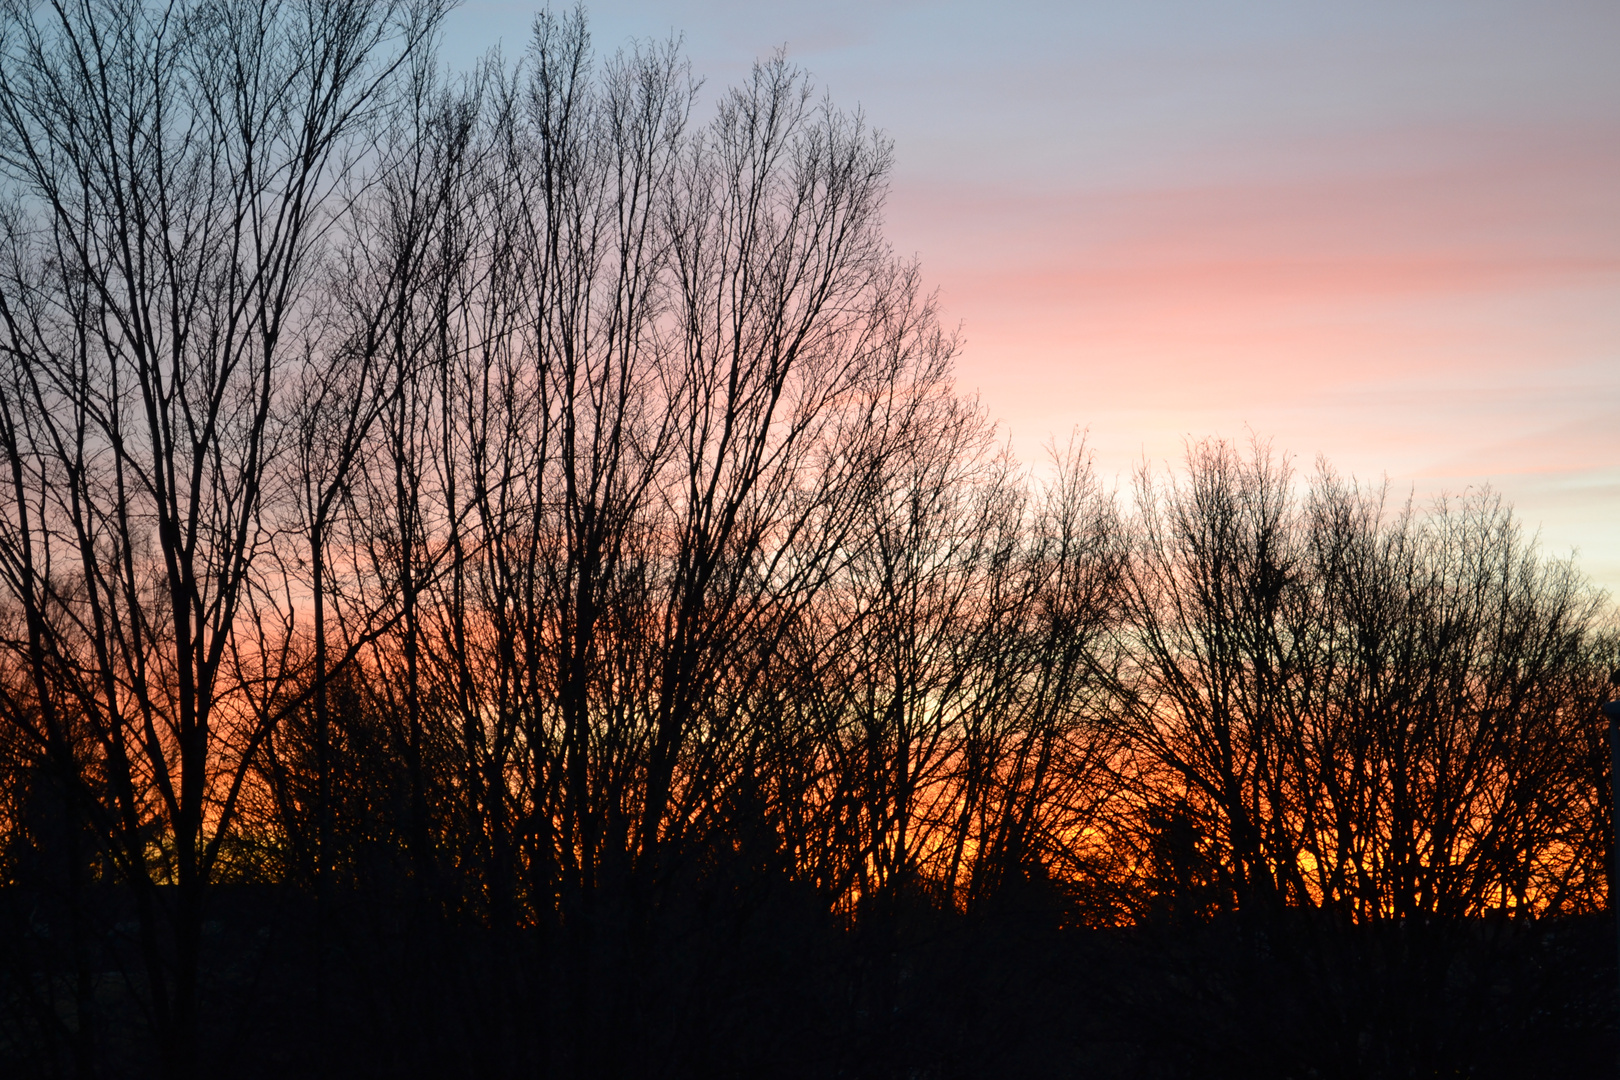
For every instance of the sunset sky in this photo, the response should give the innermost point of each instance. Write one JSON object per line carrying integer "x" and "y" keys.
{"x": 1384, "y": 232}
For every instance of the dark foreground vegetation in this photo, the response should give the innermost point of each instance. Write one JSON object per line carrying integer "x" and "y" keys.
{"x": 496, "y": 579}
{"x": 755, "y": 981}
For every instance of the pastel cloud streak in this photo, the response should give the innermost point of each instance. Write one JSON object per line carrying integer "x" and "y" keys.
{"x": 1384, "y": 232}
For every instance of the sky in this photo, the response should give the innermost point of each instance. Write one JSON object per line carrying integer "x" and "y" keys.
{"x": 1383, "y": 233}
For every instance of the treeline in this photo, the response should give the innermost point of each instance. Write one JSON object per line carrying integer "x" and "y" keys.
{"x": 497, "y": 577}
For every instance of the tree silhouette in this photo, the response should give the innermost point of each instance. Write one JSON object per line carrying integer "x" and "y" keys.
{"x": 498, "y": 579}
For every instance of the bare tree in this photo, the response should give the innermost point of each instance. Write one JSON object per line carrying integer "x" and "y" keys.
{"x": 1370, "y": 711}
{"x": 170, "y": 174}
{"x": 533, "y": 531}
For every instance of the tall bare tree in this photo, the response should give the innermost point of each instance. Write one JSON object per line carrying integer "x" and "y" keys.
{"x": 170, "y": 174}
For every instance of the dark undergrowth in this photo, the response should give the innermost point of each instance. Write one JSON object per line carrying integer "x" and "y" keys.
{"x": 756, "y": 980}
